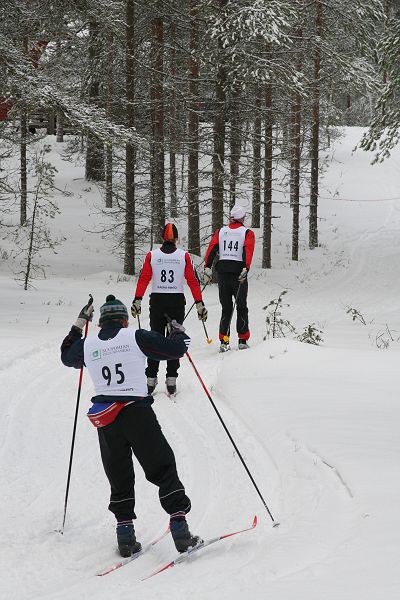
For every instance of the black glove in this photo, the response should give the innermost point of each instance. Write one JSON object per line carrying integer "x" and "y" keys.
{"x": 85, "y": 315}
{"x": 136, "y": 307}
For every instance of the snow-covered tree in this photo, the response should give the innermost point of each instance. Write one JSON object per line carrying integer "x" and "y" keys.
{"x": 384, "y": 131}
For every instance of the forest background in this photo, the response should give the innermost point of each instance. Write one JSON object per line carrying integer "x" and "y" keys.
{"x": 177, "y": 110}
{"x": 182, "y": 109}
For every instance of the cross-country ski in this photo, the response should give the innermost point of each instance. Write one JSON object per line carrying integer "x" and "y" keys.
{"x": 200, "y": 546}
{"x": 133, "y": 557}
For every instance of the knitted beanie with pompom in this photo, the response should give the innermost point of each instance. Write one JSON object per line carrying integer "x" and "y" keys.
{"x": 113, "y": 309}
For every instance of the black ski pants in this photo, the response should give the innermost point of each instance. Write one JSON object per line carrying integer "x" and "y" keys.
{"x": 229, "y": 289}
{"x": 161, "y": 304}
{"x": 137, "y": 429}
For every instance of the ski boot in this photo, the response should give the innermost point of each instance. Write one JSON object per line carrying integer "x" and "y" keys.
{"x": 151, "y": 384}
{"x": 170, "y": 382}
{"x": 127, "y": 544}
{"x": 224, "y": 347}
{"x": 181, "y": 535}
{"x": 242, "y": 345}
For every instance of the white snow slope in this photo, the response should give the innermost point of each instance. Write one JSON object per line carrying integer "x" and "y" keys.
{"x": 317, "y": 426}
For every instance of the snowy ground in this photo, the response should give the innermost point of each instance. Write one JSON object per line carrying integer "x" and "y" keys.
{"x": 318, "y": 426}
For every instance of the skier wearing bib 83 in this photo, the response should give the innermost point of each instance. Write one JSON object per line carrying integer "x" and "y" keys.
{"x": 123, "y": 415}
{"x": 235, "y": 245}
{"x": 167, "y": 267}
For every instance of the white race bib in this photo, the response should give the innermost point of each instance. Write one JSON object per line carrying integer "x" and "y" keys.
{"x": 116, "y": 366}
{"x": 168, "y": 271}
{"x": 231, "y": 243}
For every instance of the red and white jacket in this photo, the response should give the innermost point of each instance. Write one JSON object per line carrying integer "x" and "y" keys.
{"x": 188, "y": 272}
{"x": 227, "y": 265}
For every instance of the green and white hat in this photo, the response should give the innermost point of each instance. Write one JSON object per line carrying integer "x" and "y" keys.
{"x": 113, "y": 309}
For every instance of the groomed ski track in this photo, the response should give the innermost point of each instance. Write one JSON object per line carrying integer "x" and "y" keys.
{"x": 222, "y": 496}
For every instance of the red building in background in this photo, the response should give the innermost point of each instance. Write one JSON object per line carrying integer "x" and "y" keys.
{"x": 5, "y": 107}
{"x": 35, "y": 54}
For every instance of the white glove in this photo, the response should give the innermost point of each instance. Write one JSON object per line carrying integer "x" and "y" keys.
{"x": 85, "y": 315}
{"x": 136, "y": 307}
{"x": 243, "y": 275}
{"x": 207, "y": 275}
{"x": 175, "y": 327}
{"x": 202, "y": 312}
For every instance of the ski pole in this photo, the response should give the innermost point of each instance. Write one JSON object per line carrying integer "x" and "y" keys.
{"x": 275, "y": 523}
{"x": 209, "y": 340}
{"x": 226, "y": 337}
{"x": 202, "y": 290}
{"x": 138, "y": 319}
{"x": 74, "y": 428}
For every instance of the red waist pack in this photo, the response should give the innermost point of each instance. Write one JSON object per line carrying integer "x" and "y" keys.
{"x": 103, "y": 413}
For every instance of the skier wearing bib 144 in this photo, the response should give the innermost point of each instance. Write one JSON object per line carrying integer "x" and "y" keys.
{"x": 167, "y": 267}
{"x": 115, "y": 358}
{"x": 235, "y": 245}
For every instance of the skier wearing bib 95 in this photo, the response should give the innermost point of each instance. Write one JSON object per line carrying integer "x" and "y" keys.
{"x": 122, "y": 413}
{"x": 167, "y": 267}
{"x": 235, "y": 245}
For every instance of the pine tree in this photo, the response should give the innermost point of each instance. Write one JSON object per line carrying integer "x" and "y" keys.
{"x": 130, "y": 153}
{"x": 193, "y": 134}
{"x": 383, "y": 134}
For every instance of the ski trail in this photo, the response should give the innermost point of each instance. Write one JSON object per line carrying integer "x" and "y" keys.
{"x": 50, "y": 403}
{"x": 296, "y": 483}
